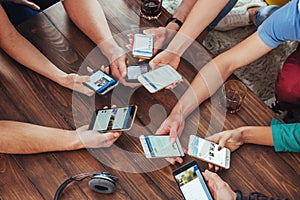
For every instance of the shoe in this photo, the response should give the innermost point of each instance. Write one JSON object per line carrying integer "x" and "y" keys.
{"x": 274, "y": 105}
{"x": 238, "y": 17}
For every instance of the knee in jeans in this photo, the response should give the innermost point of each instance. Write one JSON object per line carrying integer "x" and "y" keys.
{"x": 263, "y": 13}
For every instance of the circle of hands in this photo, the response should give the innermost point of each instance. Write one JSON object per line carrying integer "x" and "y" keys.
{"x": 173, "y": 125}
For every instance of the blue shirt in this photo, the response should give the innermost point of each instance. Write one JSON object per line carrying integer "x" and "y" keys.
{"x": 282, "y": 25}
{"x": 286, "y": 137}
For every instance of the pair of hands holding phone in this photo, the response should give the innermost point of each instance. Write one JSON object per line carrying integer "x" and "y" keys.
{"x": 162, "y": 36}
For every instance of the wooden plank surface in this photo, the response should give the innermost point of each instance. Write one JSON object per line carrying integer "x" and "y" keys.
{"x": 24, "y": 94}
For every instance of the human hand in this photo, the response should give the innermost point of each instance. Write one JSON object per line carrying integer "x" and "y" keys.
{"x": 219, "y": 188}
{"x": 75, "y": 82}
{"x": 94, "y": 139}
{"x": 161, "y": 36}
{"x": 118, "y": 66}
{"x": 25, "y": 3}
{"x": 231, "y": 139}
{"x": 163, "y": 58}
{"x": 173, "y": 125}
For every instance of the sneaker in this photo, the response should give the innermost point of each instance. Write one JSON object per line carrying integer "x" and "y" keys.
{"x": 238, "y": 17}
{"x": 274, "y": 105}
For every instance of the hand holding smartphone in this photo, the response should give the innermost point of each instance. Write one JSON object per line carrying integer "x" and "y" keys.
{"x": 159, "y": 78}
{"x": 191, "y": 182}
{"x": 158, "y": 146}
{"x": 209, "y": 152}
{"x": 115, "y": 119}
{"x": 101, "y": 82}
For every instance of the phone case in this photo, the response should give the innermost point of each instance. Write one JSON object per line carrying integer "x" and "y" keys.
{"x": 92, "y": 85}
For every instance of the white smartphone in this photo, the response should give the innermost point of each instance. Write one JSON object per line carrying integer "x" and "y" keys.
{"x": 191, "y": 182}
{"x": 159, "y": 78}
{"x": 209, "y": 152}
{"x": 135, "y": 71}
{"x": 143, "y": 46}
{"x": 158, "y": 146}
{"x": 101, "y": 82}
{"x": 117, "y": 119}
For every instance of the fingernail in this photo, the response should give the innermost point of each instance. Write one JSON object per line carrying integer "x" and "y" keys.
{"x": 172, "y": 140}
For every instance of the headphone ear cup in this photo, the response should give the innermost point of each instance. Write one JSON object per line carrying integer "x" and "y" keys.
{"x": 102, "y": 185}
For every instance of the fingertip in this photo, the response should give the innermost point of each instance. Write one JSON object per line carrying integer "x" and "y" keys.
{"x": 172, "y": 140}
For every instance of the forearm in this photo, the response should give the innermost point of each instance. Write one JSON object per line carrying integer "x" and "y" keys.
{"x": 213, "y": 74}
{"x": 89, "y": 18}
{"x": 181, "y": 13}
{"x": 15, "y": 45}
{"x": 24, "y": 138}
{"x": 201, "y": 15}
{"x": 261, "y": 135}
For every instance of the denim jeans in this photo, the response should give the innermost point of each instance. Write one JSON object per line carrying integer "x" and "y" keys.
{"x": 19, "y": 13}
{"x": 222, "y": 14}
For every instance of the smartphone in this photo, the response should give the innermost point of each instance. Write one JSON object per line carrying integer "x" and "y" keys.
{"x": 143, "y": 46}
{"x": 158, "y": 146}
{"x": 135, "y": 71}
{"x": 191, "y": 182}
{"x": 101, "y": 82}
{"x": 159, "y": 78}
{"x": 208, "y": 152}
{"x": 115, "y": 119}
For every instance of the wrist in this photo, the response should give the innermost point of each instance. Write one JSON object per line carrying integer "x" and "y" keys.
{"x": 244, "y": 134}
{"x": 111, "y": 50}
{"x": 76, "y": 142}
{"x": 174, "y": 22}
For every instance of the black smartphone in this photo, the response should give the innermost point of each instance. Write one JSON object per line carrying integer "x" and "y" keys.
{"x": 115, "y": 119}
{"x": 135, "y": 71}
{"x": 101, "y": 82}
{"x": 191, "y": 182}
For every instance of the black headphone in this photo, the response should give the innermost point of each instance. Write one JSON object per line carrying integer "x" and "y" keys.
{"x": 102, "y": 183}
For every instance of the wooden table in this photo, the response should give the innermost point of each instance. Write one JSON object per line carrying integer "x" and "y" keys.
{"x": 29, "y": 97}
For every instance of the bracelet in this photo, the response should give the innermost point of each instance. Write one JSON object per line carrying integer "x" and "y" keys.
{"x": 175, "y": 20}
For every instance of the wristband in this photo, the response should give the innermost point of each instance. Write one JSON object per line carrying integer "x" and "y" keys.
{"x": 175, "y": 20}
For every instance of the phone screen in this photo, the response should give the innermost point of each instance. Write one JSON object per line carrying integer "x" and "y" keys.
{"x": 159, "y": 78}
{"x": 191, "y": 182}
{"x": 209, "y": 151}
{"x": 100, "y": 81}
{"x": 113, "y": 119}
{"x": 159, "y": 146}
{"x": 135, "y": 71}
{"x": 143, "y": 46}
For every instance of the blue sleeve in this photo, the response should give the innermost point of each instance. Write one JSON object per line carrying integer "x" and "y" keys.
{"x": 282, "y": 25}
{"x": 286, "y": 137}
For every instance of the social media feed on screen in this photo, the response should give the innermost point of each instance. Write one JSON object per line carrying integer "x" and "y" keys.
{"x": 160, "y": 147}
{"x": 101, "y": 82}
{"x": 113, "y": 119}
{"x": 159, "y": 78}
{"x": 191, "y": 182}
{"x": 143, "y": 46}
{"x": 209, "y": 152}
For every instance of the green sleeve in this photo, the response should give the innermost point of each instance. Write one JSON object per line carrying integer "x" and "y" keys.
{"x": 286, "y": 137}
